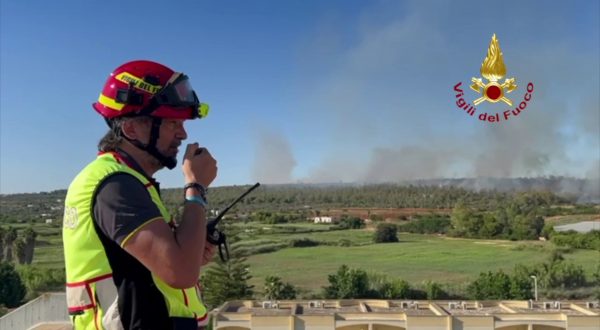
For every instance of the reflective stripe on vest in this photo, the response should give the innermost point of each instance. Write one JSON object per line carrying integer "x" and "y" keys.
{"x": 91, "y": 293}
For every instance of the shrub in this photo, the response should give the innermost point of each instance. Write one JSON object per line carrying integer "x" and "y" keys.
{"x": 303, "y": 242}
{"x": 347, "y": 283}
{"x": 12, "y": 290}
{"x": 38, "y": 280}
{"x": 385, "y": 233}
{"x": 490, "y": 286}
{"x": 434, "y": 291}
{"x": 427, "y": 225}
{"x": 276, "y": 289}
{"x": 345, "y": 242}
{"x": 383, "y": 288}
{"x": 351, "y": 223}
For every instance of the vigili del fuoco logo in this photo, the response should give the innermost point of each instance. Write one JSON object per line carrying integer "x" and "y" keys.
{"x": 494, "y": 90}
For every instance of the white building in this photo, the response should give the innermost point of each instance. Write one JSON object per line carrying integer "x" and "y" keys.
{"x": 323, "y": 219}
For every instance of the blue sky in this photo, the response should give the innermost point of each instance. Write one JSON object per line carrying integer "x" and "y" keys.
{"x": 308, "y": 91}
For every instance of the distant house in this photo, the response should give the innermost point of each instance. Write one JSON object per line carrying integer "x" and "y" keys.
{"x": 48, "y": 221}
{"x": 323, "y": 220}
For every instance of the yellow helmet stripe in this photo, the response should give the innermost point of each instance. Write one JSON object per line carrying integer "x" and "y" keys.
{"x": 138, "y": 82}
{"x": 110, "y": 103}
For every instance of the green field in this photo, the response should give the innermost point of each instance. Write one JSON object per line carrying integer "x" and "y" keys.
{"x": 48, "y": 249}
{"x": 416, "y": 258}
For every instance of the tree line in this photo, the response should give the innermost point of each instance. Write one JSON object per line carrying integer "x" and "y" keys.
{"x": 21, "y": 208}
{"x": 286, "y": 197}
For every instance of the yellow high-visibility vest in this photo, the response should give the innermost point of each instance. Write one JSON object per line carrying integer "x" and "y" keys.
{"x": 91, "y": 292}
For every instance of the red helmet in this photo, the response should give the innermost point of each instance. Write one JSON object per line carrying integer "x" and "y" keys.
{"x": 149, "y": 88}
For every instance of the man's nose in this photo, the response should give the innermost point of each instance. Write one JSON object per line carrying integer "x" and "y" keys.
{"x": 181, "y": 132}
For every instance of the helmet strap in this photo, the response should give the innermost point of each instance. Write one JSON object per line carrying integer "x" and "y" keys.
{"x": 168, "y": 162}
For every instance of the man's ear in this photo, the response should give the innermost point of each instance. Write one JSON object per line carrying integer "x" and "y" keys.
{"x": 132, "y": 129}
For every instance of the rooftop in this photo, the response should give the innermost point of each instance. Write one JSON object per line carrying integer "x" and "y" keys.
{"x": 408, "y": 307}
{"x": 405, "y": 314}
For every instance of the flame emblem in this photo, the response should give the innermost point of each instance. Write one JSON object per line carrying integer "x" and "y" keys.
{"x": 493, "y": 69}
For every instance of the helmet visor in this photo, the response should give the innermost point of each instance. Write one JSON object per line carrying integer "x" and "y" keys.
{"x": 178, "y": 93}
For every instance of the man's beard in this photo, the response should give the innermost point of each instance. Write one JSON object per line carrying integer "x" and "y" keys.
{"x": 170, "y": 160}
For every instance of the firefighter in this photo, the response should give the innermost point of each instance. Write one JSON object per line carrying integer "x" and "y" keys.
{"x": 128, "y": 264}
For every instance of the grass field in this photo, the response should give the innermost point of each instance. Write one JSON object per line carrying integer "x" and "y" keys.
{"x": 48, "y": 249}
{"x": 416, "y": 258}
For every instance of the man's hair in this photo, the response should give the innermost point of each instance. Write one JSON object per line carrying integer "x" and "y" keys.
{"x": 114, "y": 137}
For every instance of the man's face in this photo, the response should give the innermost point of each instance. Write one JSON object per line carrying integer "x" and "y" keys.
{"x": 172, "y": 132}
{"x": 170, "y": 135}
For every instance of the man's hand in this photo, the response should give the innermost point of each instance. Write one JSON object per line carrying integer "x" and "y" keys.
{"x": 198, "y": 165}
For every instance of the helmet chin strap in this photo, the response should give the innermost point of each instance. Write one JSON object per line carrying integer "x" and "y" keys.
{"x": 168, "y": 162}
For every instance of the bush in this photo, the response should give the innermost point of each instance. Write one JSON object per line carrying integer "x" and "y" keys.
{"x": 351, "y": 223}
{"x": 427, "y": 225}
{"x": 385, "y": 233}
{"x": 490, "y": 286}
{"x": 263, "y": 248}
{"x": 38, "y": 280}
{"x": 563, "y": 275}
{"x": 345, "y": 242}
{"x": 12, "y": 290}
{"x": 395, "y": 289}
{"x": 275, "y": 289}
{"x": 303, "y": 242}
{"x": 521, "y": 285}
{"x": 347, "y": 283}
{"x": 383, "y": 288}
{"x": 434, "y": 291}
{"x": 575, "y": 240}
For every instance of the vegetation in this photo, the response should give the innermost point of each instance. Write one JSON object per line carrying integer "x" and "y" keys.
{"x": 38, "y": 280}
{"x": 450, "y": 261}
{"x": 517, "y": 220}
{"x": 385, "y": 233}
{"x": 348, "y": 222}
{"x": 12, "y": 290}
{"x": 276, "y": 289}
{"x": 16, "y": 247}
{"x": 463, "y": 242}
{"x": 575, "y": 240}
{"x": 347, "y": 284}
{"x": 430, "y": 224}
{"x": 227, "y": 280}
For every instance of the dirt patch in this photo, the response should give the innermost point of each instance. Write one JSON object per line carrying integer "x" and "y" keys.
{"x": 385, "y": 213}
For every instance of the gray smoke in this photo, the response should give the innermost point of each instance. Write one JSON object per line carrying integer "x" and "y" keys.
{"x": 274, "y": 161}
{"x": 396, "y": 72}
